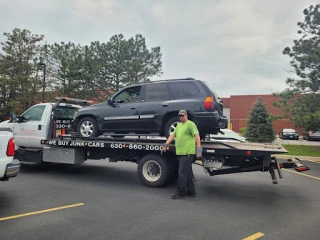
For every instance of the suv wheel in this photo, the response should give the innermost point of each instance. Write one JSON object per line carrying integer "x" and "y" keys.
{"x": 88, "y": 127}
{"x": 171, "y": 126}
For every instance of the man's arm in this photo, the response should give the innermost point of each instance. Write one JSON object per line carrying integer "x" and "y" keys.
{"x": 198, "y": 142}
{"x": 169, "y": 140}
{"x": 195, "y": 132}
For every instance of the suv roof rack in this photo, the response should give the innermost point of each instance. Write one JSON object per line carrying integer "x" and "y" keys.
{"x": 173, "y": 79}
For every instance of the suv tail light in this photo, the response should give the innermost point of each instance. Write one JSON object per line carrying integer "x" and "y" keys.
{"x": 11, "y": 147}
{"x": 208, "y": 103}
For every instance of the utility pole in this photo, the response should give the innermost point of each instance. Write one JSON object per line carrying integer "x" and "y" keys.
{"x": 44, "y": 79}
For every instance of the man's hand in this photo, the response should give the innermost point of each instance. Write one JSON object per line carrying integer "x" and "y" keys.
{"x": 164, "y": 148}
{"x": 199, "y": 152}
{"x": 169, "y": 140}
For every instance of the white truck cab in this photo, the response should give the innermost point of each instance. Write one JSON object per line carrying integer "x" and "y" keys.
{"x": 41, "y": 121}
{"x": 33, "y": 125}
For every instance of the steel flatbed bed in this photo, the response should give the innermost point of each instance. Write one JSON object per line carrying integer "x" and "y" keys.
{"x": 156, "y": 168}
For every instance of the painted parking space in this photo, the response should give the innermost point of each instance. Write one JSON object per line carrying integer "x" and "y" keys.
{"x": 254, "y": 236}
{"x": 41, "y": 211}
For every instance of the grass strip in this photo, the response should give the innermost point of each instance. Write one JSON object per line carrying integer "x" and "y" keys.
{"x": 302, "y": 150}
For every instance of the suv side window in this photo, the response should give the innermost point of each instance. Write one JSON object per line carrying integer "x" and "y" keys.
{"x": 156, "y": 92}
{"x": 35, "y": 113}
{"x": 129, "y": 95}
{"x": 184, "y": 89}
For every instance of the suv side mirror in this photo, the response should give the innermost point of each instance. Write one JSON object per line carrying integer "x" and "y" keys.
{"x": 110, "y": 100}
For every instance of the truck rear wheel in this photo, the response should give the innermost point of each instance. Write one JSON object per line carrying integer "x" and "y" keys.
{"x": 153, "y": 170}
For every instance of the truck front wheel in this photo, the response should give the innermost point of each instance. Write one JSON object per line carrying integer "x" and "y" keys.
{"x": 153, "y": 170}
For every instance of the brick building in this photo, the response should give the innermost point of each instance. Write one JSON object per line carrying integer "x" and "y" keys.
{"x": 238, "y": 107}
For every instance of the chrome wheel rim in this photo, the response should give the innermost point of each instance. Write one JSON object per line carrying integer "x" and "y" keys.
{"x": 151, "y": 171}
{"x": 86, "y": 129}
{"x": 173, "y": 127}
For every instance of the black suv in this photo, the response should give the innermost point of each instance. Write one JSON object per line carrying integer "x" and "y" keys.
{"x": 152, "y": 108}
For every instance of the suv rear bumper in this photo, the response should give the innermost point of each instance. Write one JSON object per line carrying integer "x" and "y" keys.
{"x": 12, "y": 169}
{"x": 223, "y": 122}
{"x": 209, "y": 122}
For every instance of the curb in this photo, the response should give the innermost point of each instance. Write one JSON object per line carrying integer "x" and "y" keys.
{"x": 286, "y": 157}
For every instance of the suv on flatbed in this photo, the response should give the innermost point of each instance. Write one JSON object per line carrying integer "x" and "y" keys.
{"x": 152, "y": 108}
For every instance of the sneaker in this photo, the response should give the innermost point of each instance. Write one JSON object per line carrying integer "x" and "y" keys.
{"x": 178, "y": 195}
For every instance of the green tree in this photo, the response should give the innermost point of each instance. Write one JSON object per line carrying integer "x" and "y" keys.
{"x": 65, "y": 63}
{"x": 259, "y": 127}
{"x": 19, "y": 70}
{"x": 130, "y": 61}
{"x": 94, "y": 70}
{"x": 300, "y": 101}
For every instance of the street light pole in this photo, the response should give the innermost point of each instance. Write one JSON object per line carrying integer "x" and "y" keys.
{"x": 44, "y": 79}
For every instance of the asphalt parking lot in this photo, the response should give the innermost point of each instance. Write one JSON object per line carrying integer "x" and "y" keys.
{"x": 102, "y": 200}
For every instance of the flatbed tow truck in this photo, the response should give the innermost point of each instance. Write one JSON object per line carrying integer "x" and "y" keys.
{"x": 155, "y": 167}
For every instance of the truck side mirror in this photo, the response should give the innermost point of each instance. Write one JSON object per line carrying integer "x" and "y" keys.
{"x": 13, "y": 117}
{"x": 21, "y": 119}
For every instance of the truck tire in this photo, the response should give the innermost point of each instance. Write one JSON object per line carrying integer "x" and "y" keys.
{"x": 91, "y": 126}
{"x": 153, "y": 170}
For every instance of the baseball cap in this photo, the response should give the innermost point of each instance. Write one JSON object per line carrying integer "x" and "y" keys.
{"x": 182, "y": 112}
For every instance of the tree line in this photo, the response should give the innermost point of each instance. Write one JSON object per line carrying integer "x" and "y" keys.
{"x": 31, "y": 70}
{"x": 300, "y": 101}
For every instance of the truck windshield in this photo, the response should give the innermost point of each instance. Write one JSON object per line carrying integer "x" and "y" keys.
{"x": 65, "y": 112}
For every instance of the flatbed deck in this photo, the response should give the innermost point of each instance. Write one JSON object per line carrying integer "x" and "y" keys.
{"x": 218, "y": 157}
{"x": 216, "y": 147}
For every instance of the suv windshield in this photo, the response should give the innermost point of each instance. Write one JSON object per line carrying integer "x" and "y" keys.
{"x": 289, "y": 130}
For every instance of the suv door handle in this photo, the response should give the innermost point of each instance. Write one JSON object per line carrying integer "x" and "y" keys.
{"x": 165, "y": 105}
{"x": 133, "y": 108}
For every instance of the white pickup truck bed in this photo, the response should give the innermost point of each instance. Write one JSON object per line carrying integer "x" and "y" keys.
{"x": 8, "y": 166}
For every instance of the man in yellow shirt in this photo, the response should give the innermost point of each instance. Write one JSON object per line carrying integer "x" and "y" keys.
{"x": 188, "y": 146}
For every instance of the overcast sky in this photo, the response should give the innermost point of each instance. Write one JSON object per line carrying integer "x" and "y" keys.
{"x": 235, "y": 46}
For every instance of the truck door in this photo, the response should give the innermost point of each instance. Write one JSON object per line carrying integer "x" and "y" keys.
{"x": 30, "y": 131}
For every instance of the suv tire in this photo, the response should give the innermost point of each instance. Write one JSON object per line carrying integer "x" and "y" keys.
{"x": 169, "y": 124}
{"x": 90, "y": 125}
